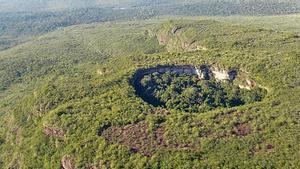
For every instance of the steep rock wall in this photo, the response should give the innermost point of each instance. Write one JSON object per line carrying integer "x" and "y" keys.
{"x": 202, "y": 71}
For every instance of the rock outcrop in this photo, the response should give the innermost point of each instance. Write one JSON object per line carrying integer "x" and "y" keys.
{"x": 67, "y": 163}
{"x": 203, "y": 71}
{"x": 175, "y": 29}
{"x": 248, "y": 85}
{"x": 223, "y": 75}
{"x": 245, "y": 82}
{"x": 220, "y": 75}
{"x": 49, "y": 131}
{"x": 174, "y": 39}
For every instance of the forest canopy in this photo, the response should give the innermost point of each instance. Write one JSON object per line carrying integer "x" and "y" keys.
{"x": 188, "y": 93}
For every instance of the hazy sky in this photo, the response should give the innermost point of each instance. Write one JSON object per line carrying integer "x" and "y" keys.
{"x": 35, "y": 5}
{"x": 30, "y": 5}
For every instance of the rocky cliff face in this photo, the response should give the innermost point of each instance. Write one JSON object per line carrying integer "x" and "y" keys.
{"x": 244, "y": 81}
{"x": 176, "y": 37}
{"x": 220, "y": 75}
{"x": 203, "y": 72}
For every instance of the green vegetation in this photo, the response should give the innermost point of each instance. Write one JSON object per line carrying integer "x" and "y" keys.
{"x": 66, "y": 92}
{"x": 16, "y": 28}
{"x": 19, "y": 24}
{"x": 188, "y": 6}
{"x": 187, "y": 93}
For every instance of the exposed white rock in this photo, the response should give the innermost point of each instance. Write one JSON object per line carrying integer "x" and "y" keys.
{"x": 249, "y": 82}
{"x": 202, "y": 72}
{"x": 202, "y": 48}
{"x": 221, "y": 75}
{"x": 249, "y": 85}
{"x": 244, "y": 87}
{"x": 100, "y": 72}
{"x": 174, "y": 69}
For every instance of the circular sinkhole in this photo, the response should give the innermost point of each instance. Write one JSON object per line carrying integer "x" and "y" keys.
{"x": 194, "y": 89}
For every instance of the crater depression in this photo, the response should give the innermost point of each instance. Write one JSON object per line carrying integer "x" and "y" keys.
{"x": 195, "y": 88}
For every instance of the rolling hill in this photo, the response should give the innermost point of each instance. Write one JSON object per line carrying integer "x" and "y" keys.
{"x": 67, "y": 97}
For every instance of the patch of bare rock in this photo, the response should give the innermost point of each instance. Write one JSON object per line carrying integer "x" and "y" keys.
{"x": 139, "y": 139}
{"x": 67, "y": 162}
{"x": 52, "y": 132}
